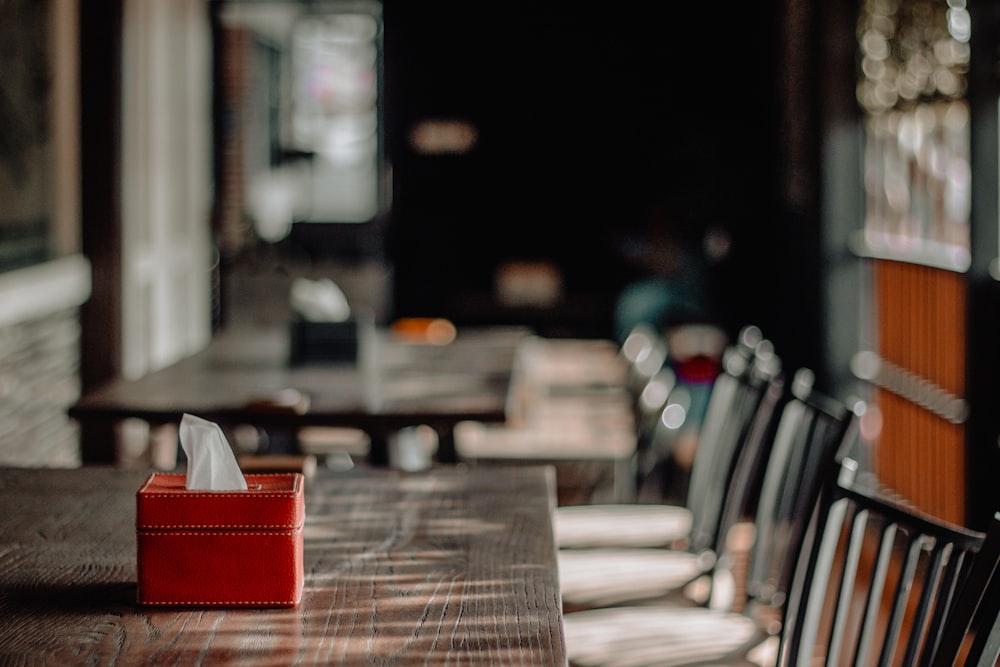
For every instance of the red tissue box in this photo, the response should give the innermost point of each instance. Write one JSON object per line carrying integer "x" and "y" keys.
{"x": 220, "y": 548}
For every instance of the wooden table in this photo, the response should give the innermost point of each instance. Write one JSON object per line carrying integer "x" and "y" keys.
{"x": 448, "y": 566}
{"x": 570, "y": 408}
{"x": 392, "y": 385}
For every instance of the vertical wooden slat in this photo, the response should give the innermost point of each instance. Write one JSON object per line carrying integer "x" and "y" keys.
{"x": 921, "y": 330}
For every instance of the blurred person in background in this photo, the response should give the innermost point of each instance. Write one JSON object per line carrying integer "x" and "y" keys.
{"x": 667, "y": 271}
{"x": 667, "y": 289}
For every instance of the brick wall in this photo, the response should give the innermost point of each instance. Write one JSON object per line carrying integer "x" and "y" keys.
{"x": 232, "y": 228}
{"x": 39, "y": 380}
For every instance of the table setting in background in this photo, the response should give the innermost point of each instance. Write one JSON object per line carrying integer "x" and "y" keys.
{"x": 244, "y": 376}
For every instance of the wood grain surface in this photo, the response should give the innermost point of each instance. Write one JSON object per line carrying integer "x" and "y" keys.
{"x": 445, "y": 567}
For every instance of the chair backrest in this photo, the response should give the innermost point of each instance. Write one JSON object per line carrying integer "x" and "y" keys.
{"x": 656, "y": 430}
{"x": 637, "y": 343}
{"x": 972, "y": 632}
{"x": 811, "y": 431}
{"x": 876, "y": 579}
{"x": 741, "y": 405}
{"x": 742, "y": 494}
{"x": 645, "y": 352}
{"x": 650, "y": 403}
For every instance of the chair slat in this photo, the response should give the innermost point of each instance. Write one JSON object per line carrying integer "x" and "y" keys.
{"x": 938, "y": 578}
{"x": 914, "y": 547}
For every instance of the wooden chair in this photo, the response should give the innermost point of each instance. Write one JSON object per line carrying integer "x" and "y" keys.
{"x": 972, "y": 632}
{"x": 884, "y": 583}
{"x": 740, "y": 435}
{"x": 813, "y": 428}
{"x": 736, "y": 396}
{"x": 878, "y": 580}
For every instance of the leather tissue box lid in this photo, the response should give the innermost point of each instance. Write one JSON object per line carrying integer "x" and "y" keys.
{"x": 271, "y": 502}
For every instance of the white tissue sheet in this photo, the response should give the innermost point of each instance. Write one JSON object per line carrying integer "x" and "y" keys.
{"x": 319, "y": 300}
{"x": 211, "y": 463}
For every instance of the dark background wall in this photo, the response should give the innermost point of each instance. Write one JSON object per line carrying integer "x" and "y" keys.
{"x": 586, "y": 117}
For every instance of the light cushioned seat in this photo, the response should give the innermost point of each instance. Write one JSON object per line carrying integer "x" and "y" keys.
{"x": 621, "y": 525}
{"x": 660, "y": 636}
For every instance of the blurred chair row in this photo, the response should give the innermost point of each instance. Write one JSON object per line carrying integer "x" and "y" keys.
{"x": 740, "y": 391}
{"x": 614, "y": 554}
{"x": 834, "y": 569}
{"x": 781, "y": 553}
{"x": 593, "y": 410}
{"x": 872, "y": 583}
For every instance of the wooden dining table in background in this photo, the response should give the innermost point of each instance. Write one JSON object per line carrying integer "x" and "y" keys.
{"x": 446, "y": 566}
{"x": 243, "y": 375}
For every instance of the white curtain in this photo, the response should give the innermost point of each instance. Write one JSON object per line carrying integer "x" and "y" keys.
{"x": 166, "y": 182}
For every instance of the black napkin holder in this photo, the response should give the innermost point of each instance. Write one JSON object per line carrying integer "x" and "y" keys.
{"x": 322, "y": 342}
